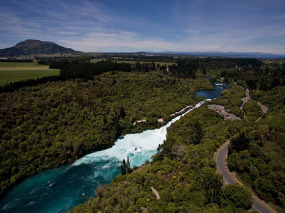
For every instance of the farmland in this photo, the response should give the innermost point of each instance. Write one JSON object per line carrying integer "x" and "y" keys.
{"x": 17, "y": 71}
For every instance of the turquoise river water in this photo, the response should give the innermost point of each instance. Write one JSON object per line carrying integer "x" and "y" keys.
{"x": 58, "y": 190}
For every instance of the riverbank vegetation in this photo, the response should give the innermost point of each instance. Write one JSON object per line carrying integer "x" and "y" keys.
{"x": 183, "y": 172}
{"x": 55, "y": 123}
{"x": 261, "y": 76}
{"x": 46, "y": 123}
{"x": 252, "y": 110}
{"x": 231, "y": 99}
{"x": 260, "y": 162}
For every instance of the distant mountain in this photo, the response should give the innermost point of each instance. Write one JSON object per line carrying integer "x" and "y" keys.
{"x": 226, "y": 54}
{"x": 37, "y": 47}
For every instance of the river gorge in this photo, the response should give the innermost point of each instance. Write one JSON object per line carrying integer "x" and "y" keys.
{"x": 60, "y": 189}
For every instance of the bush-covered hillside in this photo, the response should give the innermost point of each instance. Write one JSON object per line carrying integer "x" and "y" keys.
{"x": 260, "y": 162}
{"x": 55, "y": 123}
{"x": 183, "y": 172}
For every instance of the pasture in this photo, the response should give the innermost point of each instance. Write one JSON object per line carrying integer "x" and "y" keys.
{"x": 131, "y": 61}
{"x": 17, "y": 71}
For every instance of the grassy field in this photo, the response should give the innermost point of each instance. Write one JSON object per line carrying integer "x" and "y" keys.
{"x": 17, "y": 71}
{"x": 133, "y": 62}
{"x": 95, "y": 60}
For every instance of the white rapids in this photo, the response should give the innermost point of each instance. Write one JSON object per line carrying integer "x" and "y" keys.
{"x": 138, "y": 147}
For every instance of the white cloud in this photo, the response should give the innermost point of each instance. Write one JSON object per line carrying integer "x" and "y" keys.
{"x": 13, "y": 24}
{"x": 67, "y": 33}
{"x": 192, "y": 31}
{"x": 124, "y": 41}
{"x": 128, "y": 41}
{"x": 87, "y": 26}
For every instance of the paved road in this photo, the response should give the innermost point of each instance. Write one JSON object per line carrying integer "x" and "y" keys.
{"x": 264, "y": 108}
{"x": 221, "y": 160}
{"x": 244, "y": 100}
{"x": 224, "y": 112}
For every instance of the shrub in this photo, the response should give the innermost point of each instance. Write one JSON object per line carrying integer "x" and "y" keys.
{"x": 236, "y": 196}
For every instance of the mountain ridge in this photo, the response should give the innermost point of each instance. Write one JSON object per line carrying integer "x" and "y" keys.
{"x": 222, "y": 54}
{"x": 37, "y": 47}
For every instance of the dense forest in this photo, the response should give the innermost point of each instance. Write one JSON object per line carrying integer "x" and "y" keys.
{"x": 46, "y": 123}
{"x": 186, "y": 68}
{"x": 80, "y": 68}
{"x": 265, "y": 77}
{"x": 258, "y": 154}
{"x": 69, "y": 69}
{"x": 89, "y": 70}
{"x": 183, "y": 171}
{"x": 231, "y": 99}
{"x": 55, "y": 123}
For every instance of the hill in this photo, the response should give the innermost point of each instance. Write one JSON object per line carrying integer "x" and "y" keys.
{"x": 37, "y": 47}
{"x": 225, "y": 54}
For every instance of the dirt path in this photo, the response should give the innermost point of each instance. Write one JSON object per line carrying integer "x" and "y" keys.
{"x": 155, "y": 193}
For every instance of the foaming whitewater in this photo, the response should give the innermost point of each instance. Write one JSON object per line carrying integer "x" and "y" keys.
{"x": 137, "y": 147}
{"x": 58, "y": 190}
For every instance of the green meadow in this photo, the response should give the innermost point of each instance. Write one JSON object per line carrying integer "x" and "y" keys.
{"x": 161, "y": 63}
{"x": 17, "y": 71}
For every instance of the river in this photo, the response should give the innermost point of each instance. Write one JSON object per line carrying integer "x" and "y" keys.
{"x": 58, "y": 190}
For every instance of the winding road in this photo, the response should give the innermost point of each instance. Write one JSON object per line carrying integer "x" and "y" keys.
{"x": 221, "y": 159}
{"x": 246, "y": 99}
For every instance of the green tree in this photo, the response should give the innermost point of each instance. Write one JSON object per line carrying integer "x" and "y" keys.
{"x": 126, "y": 167}
{"x": 275, "y": 83}
{"x": 196, "y": 133}
{"x": 263, "y": 85}
{"x": 212, "y": 183}
{"x": 138, "y": 66}
{"x": 236, "y": 196}
{"x": 239, "y": 143}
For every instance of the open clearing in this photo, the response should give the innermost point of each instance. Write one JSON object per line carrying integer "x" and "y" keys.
{"x": 17, "y": 71}
{"x": 161, "y": 63}
{"x": 20, "y": 64}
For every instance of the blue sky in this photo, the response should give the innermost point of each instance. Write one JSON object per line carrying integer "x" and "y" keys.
{"x": 147, "y": 25}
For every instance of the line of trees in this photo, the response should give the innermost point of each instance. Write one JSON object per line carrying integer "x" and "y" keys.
{"x": 9, "y": 87}
{"x": 187, "y": 68}
{"x": 70, "y": 70}
{"x": 263, "y": 78}
{"x": 184, "y": 69}
{"x": 88, "y": 70}
{"x": 60, "y": 62}
{"x": 144, "y": 67}
{"x": 16, "y": 60}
